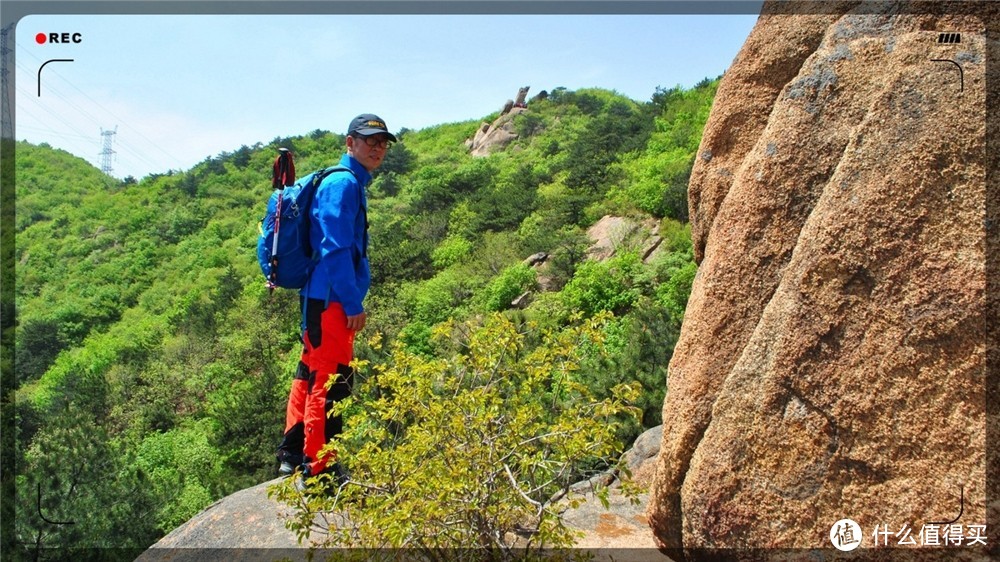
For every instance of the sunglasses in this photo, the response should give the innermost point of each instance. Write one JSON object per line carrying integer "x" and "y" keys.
{"x": 373, "y": 142}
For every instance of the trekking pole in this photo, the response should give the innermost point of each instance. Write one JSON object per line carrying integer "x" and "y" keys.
{"x": 282, "y": 175}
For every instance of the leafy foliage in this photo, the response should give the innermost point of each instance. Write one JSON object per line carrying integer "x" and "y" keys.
{"x": 656, "y": 178}
{"x": 471, "y": 451}
{"x": 604, "y": 286}
{"x": 512, "y": 282}
{"x": 181, "y": 466}
{"x": 60, "y": 476}
{"x": 450, "y": 251}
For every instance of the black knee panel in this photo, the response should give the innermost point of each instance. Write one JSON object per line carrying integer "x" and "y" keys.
{"x": 343, "y": 385}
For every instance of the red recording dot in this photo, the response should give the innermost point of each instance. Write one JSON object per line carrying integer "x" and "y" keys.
{"x": 40, "y": 38}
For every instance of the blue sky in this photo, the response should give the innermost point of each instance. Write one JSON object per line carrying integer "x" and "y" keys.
{"x": 178, "y": 89}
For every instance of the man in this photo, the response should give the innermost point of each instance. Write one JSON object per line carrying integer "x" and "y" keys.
{"x": 332, "y": 302}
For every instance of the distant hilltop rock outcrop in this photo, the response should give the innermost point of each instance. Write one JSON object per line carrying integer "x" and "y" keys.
{"x": 491, "y": 137}
{"x": 832, "y": 362}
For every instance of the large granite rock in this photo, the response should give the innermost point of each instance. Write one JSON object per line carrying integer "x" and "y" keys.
{"x": 611, "y": 234}
{"x": 245, "y": 526}
{"x": 832, "y": 363}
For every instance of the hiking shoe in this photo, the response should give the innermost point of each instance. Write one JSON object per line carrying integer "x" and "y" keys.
{"x": 288, "y": 463}
{"x": 340, "y": 474}
{"x": 338, "y": 477}
{"x": 300, "y": 483}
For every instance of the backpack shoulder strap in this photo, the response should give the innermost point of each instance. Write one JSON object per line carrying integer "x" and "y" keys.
{"x": 320, "y": 175}
{"x": 309, "y": 189}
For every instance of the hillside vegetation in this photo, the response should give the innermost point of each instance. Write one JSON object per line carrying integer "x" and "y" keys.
{"x": 153, "y": 365}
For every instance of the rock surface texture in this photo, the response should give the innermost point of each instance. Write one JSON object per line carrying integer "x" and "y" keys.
{"x": 832, "y": 362}
{"x": 612, "y": 233}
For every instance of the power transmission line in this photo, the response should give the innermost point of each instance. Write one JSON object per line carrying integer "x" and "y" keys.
{"x": 54, "y": 133}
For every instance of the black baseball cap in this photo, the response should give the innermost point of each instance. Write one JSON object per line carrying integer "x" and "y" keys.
{"x": 368, "y": 124}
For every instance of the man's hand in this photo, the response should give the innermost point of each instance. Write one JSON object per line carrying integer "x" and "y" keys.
{"x": 356, "y": 322}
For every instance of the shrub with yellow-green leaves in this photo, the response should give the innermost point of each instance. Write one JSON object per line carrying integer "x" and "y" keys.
{"x": 471, "y": 454}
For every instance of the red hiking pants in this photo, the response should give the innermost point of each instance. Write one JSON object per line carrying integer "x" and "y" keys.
{"x": 327, "y": 350}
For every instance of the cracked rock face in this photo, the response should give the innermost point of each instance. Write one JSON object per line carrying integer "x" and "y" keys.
{"x": 832, "y": 362}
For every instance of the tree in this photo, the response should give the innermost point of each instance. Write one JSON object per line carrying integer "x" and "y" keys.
{"x": 75, "y": 492}
{"x": 398, "y": 160}
{"x": 604, "y": 286}
{"x": 507, "y": 286}
{"x": 473, "y": 452}
{"x": 38, "y": 344}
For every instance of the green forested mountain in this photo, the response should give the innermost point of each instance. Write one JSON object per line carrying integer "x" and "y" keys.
{"x": 152, "y": 364}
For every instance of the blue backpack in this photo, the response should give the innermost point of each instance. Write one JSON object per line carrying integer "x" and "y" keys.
{"x": 283, "y": 249}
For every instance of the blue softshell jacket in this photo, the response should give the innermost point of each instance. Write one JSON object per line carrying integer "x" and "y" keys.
{"x": 338, "y": 231}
